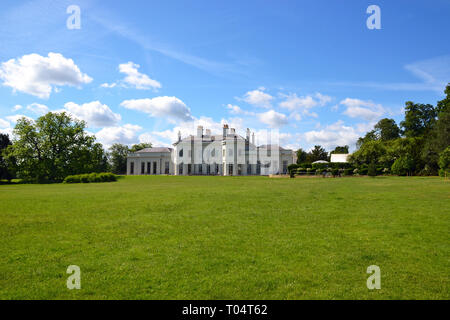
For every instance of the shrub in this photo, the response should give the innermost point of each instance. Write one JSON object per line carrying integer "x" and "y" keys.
{"x": 335, "y": 172}
{"x": 348, "y": 171}
{"x": 91, "y": 177}
{"x": 292, "y": 167}
{"x": 444, "y": 163}
{"x": 363, "y": 170}
{"x": 402, "y": 166}
{"x": 372, "y": 169}
{"x": 320, "y": 166}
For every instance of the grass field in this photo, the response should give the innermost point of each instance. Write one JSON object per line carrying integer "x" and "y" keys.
{"x": 227, "y": 238}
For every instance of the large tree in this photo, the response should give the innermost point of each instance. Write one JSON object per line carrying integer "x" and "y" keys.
{"x": 53, "y": 147}
{"x": 140, "y": 146}
{"x": 317, "y": 153}
{"x": 118, "y": 158}
{"x": 340, "y": 150}
{"x": 6, "y": 170}
{"x": 386, "y": 129}
{"x": 419, "y": 119}
{"x": 301, "y": 156}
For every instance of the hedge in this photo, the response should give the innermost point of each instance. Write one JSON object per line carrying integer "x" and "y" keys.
{"x": 91, "y": 177}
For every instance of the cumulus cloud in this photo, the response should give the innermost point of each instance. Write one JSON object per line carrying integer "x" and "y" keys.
{"x": 4, "y": 124}
{"x": 258, "y": 98}
{"x": 333, "y": 135}
{"x": 273, "y": 119}
{"x": 16, "y": 117}
{"x": 171, "y": 108}
{"x": 233, "y": 109}
{"x": 108, "y": 85}
{"x": 135, "y": 78}
{"x": 94, "y": 113}
{"x": 17, "y": 107}
{"x": 38, "y": 108}
{"x": 126, "y": 134}
{"x": 302, "y": 105}
{"x": 39, "y": 75}
{"x": 366, "y": 110}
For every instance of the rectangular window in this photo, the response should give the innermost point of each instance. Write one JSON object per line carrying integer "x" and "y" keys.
{"x": 166, "y": 168}
{"x": 142, "y": 167}
{"x": 149, "y": 164}
{"x": 230, "y": 169}
{"x": 200, "y": 168}
{"x": 132, "y": 168}
{"x": 180, "y": 169}
{"x": 154, "y": 167}
{"x": 239, "y": 169}
{"x": 189, "y": 168}
{"x": 285, "y": 165}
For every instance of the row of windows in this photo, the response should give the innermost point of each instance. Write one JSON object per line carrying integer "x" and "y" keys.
{"x": 150, "y": 167}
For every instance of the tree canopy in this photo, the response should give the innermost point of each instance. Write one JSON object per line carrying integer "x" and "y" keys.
{"x": 53, "y": 147}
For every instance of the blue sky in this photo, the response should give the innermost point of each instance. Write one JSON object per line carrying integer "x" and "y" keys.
{"x": 144, "y": 70}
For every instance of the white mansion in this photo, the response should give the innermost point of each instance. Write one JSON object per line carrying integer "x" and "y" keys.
{"x": 228, "y": 154}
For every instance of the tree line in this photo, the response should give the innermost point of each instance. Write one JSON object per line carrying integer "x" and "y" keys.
{"x": 56, "y": 146}
{"x": 418, "y": 146}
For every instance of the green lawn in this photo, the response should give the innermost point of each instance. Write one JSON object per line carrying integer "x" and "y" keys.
{"x": 227, "y": 238}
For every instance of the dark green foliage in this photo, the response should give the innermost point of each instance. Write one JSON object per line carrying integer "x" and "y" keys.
{"x": 91, "y": 178}
{"x": 444, "y": 163}
{"x": 140, "y": 146}
{"x": 419, "y": 118}
{"x": 301, "y": 156}
{"x": 340, "y": 150}
{"x": 53, "y": 147}
{"x": 386, "y": 129}
{"x": 292, "y": 167}
{"x": 317, "y": 153}
{"x": 118, "y": 158}
{"x": 403, "y": 166}
{"x": 372, "y": 169}
{"x": 6, "y": 167}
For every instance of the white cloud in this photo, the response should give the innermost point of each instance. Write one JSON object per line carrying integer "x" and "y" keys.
{"x": 94, "y": 113}
{"x": 258, "y": 98}
{"x": 238, "y": 110}
{"x": 108, "y": 85}
{"x": 333, "y": 135}
{"x": 171, "y": 108}
{"x": 17, "y": 107}
{"x": 126, "y": 134}
{"x": 366, "y": 110}
{"x": 38, "y": 108}
{"x": 39, "y": 76}
{"x": 136, "y": 79}
{"x": 4, "y": 124}
{"x": 16, "y": 117}
{"x": 273, "y": 119}
{"x": 293, "y": 102}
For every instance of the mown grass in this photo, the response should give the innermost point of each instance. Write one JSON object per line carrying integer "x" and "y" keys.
{"x": 227, "y": 238}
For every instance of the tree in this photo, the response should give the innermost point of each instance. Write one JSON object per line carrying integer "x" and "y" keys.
{"x": 403, "y": 166}
{"x": 370, "y": 151}
{"x": 370, "y": 136}
{"x": 317, "y": 153}
{"x": 118, "y": 158}
{"x": 53, "y": 147}
{"x": 372, "y": 170}
{"x": 6, "y": 172}
{"x": 140, "y": 146}
{"x": 419, "y": 119}
{"x": 301, "y": 156}
{"x": 444, "y": 163}
{"x": 340, "y": 150}
{"x": 386, "y": 129}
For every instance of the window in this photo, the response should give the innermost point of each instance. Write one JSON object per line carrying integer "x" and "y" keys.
{"x": 149, "y": 164}
{"x": 132, "y": 168}
{"x": 166, "y": 167}
{"x": 154, "y": 167}
{"x": 216, "y": 171}
{"x": 208, "y": 169}
{"x": 239, "y": 169}
{"x": 189, "y": 168}
{"x": 142, "y": 167}
{"x": 181, "y": 153}
{"x": 180, "y": 169}
{"x": 200, "y": 169}
{"x": 230, "y": 169}
{"x": 285, "y": 164}
{"x": 258, "y": 167}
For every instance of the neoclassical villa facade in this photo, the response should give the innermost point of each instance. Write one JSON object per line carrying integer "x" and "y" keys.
{"x": 228, "y": 154}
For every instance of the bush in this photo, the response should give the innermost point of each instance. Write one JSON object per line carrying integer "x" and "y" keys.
{"x": 372, "y": 170}
{"x": 292, "y": 167}
{"x": 402, "y": 166}
{"x": 348, "y": 172}
{"x": 319, "y": 166}
{"x": 91, "y": 177}
{"x": 444, "y": 163}
{"x": 363, "y": 170}
{"x": 335, "y": 172}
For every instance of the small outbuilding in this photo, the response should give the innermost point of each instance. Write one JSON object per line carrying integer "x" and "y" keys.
{"x": 342, "y": 158}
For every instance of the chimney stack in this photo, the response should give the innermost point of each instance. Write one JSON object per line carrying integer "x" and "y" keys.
{"x": 179, "y": 136}
{"x": 248, "y": 135}
{"x": 199, "y": 131}
{"x": 225, "y": 130}
{"x": 253, "y": 138}
{"x": 208, "y": 132}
